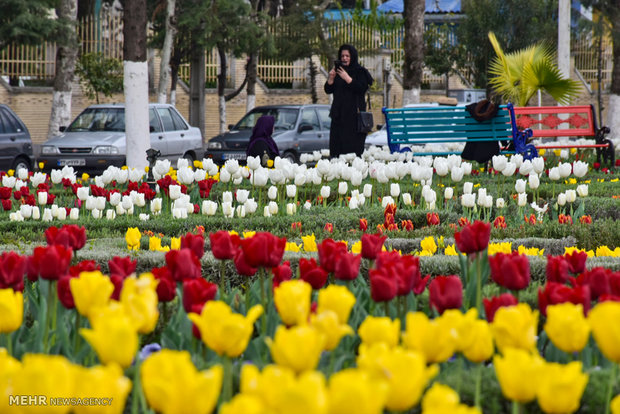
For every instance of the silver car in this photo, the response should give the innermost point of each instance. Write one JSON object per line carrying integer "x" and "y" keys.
{"x": 15, "y": 142}
{"x": 96, "y": 138}
{"x": 298, "y": 129}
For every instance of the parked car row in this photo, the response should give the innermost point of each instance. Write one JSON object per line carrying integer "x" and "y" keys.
{"x": 15, "y": 142}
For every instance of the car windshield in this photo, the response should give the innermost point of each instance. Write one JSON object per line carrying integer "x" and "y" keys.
{"x": 286, "y": 118}
{"x": 99, "y": 119}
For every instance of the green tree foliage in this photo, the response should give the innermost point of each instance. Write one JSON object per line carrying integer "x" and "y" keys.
{"x": 517, "y": 76}
{"x": 99, "y": 74}
{"x": 442, "y": 52}
{"x": 517, "y": 23}
{"x": 26, "y": 22}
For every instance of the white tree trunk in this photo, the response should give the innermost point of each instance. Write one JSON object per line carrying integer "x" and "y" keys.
{"x": 613, "y": 117}
{"x": 250, "y": 103}
{"x": 411, "y": 96}
{"x": 222, "y": 109}
{"x": 61, "y": 112}
{"x": 164, "y": 73}
{"x": 136, "y": 113}
{"x": 173, "y": 98}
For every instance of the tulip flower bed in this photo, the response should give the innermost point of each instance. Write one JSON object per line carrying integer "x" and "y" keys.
{"x": 428, "y": 305}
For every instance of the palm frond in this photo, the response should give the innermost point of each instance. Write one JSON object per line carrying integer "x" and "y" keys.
{"x": 545, "y": 75}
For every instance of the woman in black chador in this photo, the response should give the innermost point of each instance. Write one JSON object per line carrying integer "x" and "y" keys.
{"x": 348, "y": 81}
{"x": 261, "y": 143}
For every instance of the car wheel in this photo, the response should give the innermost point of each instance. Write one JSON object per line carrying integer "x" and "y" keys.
{"x": 190, "y": 159}
{"x": 291, "y": 156}
{"x": 21, "y": 162}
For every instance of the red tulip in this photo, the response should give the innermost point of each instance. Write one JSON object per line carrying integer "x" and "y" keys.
{"x": 389, "y": 209}
{"x": 499, "y": 222}
{"x": 5, "y": 193}
{"x": 576, "y": 261}
{"x": 432, "y": 219}
{"x": 406, "y": 225}
{"x": 242, "y": 266}
{"x": 554, "y": 293}
{"x": 183, "y": 264}
{"x": 197, "y": 308}
{"x": 329, "y": 227}
{"x": 492, "y": 305}
{"x": 598, "y": 279}
{"x": 420, "y": 285}
{"x": 329, "y": 253}
{"x": 167, "y": 287}
{"x": 49, "y": 262}
{"x": 197, "y": 291}
{"x": 7, "y": 205}
{"x": 511, "y": 271}
{"x": 383, "y": 288}
{"x": 117, "y": 281}
{"x": 12, "y": 270}
{"x": 69, "y": 235}
{"x": 64, "y": 291}
{"x": 224, "y": 245}
{"x": 446, "y": 292}
{"x": 312, "y": 273}
{"x": 281, "y": 273}
{"x": 347, "y": 266}
{"x": 195, "y": 242}
{"x": 557, "y": 269}
{"x": 263, "y": 250}
{"x": 473, "y": 238}
{"x": 372, "y": 245}
{"x": 84, "y": 266}
{"x": 363, "y": 224}
{"x": 122, "y": 266}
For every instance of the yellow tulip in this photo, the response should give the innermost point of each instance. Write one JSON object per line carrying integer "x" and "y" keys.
{"x": 298, "y": 348}
{"x": 516, "y": 327}
{"x": 560, "y": 387}
{"x": 353, "y": 391}
{"x": 46, "y": 375}
{"x": 175, "y": 243}
{"x": 172, "y": 384}
{"x": 11, "y": 310}
{"x": 139, "y": 298}
{"x": 292, "y": 247}
{"x": 338, "y": 299}
{"x": 428, "y": 244}
{"x": 91, "y": 290}
{"x": 481, "y": 347}
{"x": 462, "y": 325}
{"x": 309, "y": 242}
{"x": 518, "y": 372}
{"x": 615, "y": 405}
{"x": 377, "y": 329}
{"x": 356, "y": 248}
{"x": 441, "y": 399}
{"x": 567, "y": 327}
{"x": 248, "y": 234}
{"x": 604, "y": 320}
{"x": 328, "y": 324}
{"x": 101, "y": 382}
{"x": 404, "y": 371}
{"x": 223, "y": 331}
{"x": 155, "y": 245}
{"x": 85, "y": 177}
{"x": 266, "y": 385}
{"x": 435, "y": 339}
{"x": 292, "y": 300}
{"x": 307, "y": 394}
{"x": 114, "y": 336}
{"x": 132, "y": 237}
{"x": 244, "y": 404}
{"x": 450, "y": 251}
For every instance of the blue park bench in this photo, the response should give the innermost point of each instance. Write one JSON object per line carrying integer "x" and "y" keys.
{"x": 447, "y": 124}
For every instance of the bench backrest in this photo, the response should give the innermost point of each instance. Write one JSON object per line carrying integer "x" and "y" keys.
{"x": 418, "y": 125}
{"x": 557, "y": 121}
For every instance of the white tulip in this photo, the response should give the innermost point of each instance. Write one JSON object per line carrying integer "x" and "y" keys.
{"x": 156, "y": 205}
{"x": 291, "y": 209}
{"x": 300, "y": 179}
{"x": 122, "y": 176}
{"x": 273, "y": 208}
{"x": 526, "y": 167}
{"x": 466, "y": 166}
{"x": 468, "y": 187}
{"x": 61, "y": 214}
{"x": 522, "y": 200}
{"x": 182, "y": 163}
{"x": 538, "y": 164}
{"x": 240, "y": 210}
{"x": 120, "y": 210}
{"x": 488, "y": 201}
{"x": 227, "y": 208}
{"x": 54, "y": 209}
{"x": 90, "y": 203}
{"x": 407, "y": 199}
{"x": 36, "y": 213}
{"x": 520, "y": 186}
{"x": 209, "y": 208}
{"x": 56, "y": 176}
{"x": 468, "y": 200}
{"x": 342, "y": 187}
{"x": 517, "y": 159}
{"x": 225, "y": 176}
{"x": 22, "y": 173}
{"x": 97, "y": 214}
{"x": 74, "y": 214}
{"x": 185, "y": 175}
{"x": 126, "y": 202}
{"x": 533, "y": 181}
{"x": 272, "y": 192}
{"x": 82, "y": 193}
{"x": 580, "y": 168}
{"x": 499, "y": 162}
{"x": 325, "y": 191}
{"x": 253, "y": 163}
{"x": 179, "y": 213}
{"x": 510, "y": 169}
{"x": 15, "y": 216}
{"x": 110, "y": 214}
{"x": 394, "y": 190}
{"x": 387, "y": 200}
{"x": 457, "y": 174}
{"x": 260, "y": 177}
{"x": 565, "y": 169}
{"x": 245, "y": 172}
{"x": 36, "y": 179}
{"x": 367, "y": 190}
{"x": 100, "y": 202}
{"x": 115, "y": 199}
{"x": 47, "y": 215}
{"x": 564, "y": 154}
{"x": 227, "y": 197}
{"x": 554, "y": 174}
{"x": 561, "y": 199}
{"x": 499, "y": 203}
{"x": 250, "y": 206}
{"x": 42, "y": 198}
{"x": 10, "y": 181}
{"x": 307, "y": 205}
{"x": 571, "y": 196}
{"x": 25, "y": 210}
{"x": 482, "y": 193}
{"x": 174, "y": 192}
{"x": 200, "y": 175}
{"x": 582, "y": 190}
{"x": 441, "y": 167}
{"x": 137, "y": 174}
{"x": 232, "y": 166}
{"x": 291, "y": 190}
{"x": 448, "y": 193}
{"x": 356, "y": 178}
{"x": 242, "y": 196}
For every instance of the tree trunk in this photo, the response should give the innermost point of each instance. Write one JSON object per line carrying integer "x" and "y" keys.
{"x": 136, "y": 83}
{"x": 613, "y": 110}
{"x": 414, "y": 50}
{"x": 66, "y": 56}
{"x": 197, "y": 85}
{"x": 221, "y": 86}
{"x": 251, "y": 69}
{"x": 164, "y": 72}
{"x": 313, "y": 72}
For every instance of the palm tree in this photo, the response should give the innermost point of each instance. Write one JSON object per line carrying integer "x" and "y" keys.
{"x": 517, "y": 76}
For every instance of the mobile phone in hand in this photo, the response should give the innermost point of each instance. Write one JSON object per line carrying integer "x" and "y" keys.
{"x": 337, "y": 64}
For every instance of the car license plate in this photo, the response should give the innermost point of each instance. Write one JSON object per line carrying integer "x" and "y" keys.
{"x": 72, "y": 162}
{"x": 233, "y": 156}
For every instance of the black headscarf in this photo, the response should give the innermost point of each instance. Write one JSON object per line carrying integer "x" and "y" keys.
{"x": 262, "y": 132}
{"x": 354, "y": 62}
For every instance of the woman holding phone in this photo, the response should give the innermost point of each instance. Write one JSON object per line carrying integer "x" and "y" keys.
{"x": 348, "y": 81}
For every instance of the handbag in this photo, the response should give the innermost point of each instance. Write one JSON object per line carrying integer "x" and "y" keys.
{"x": 365, "y": 122}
